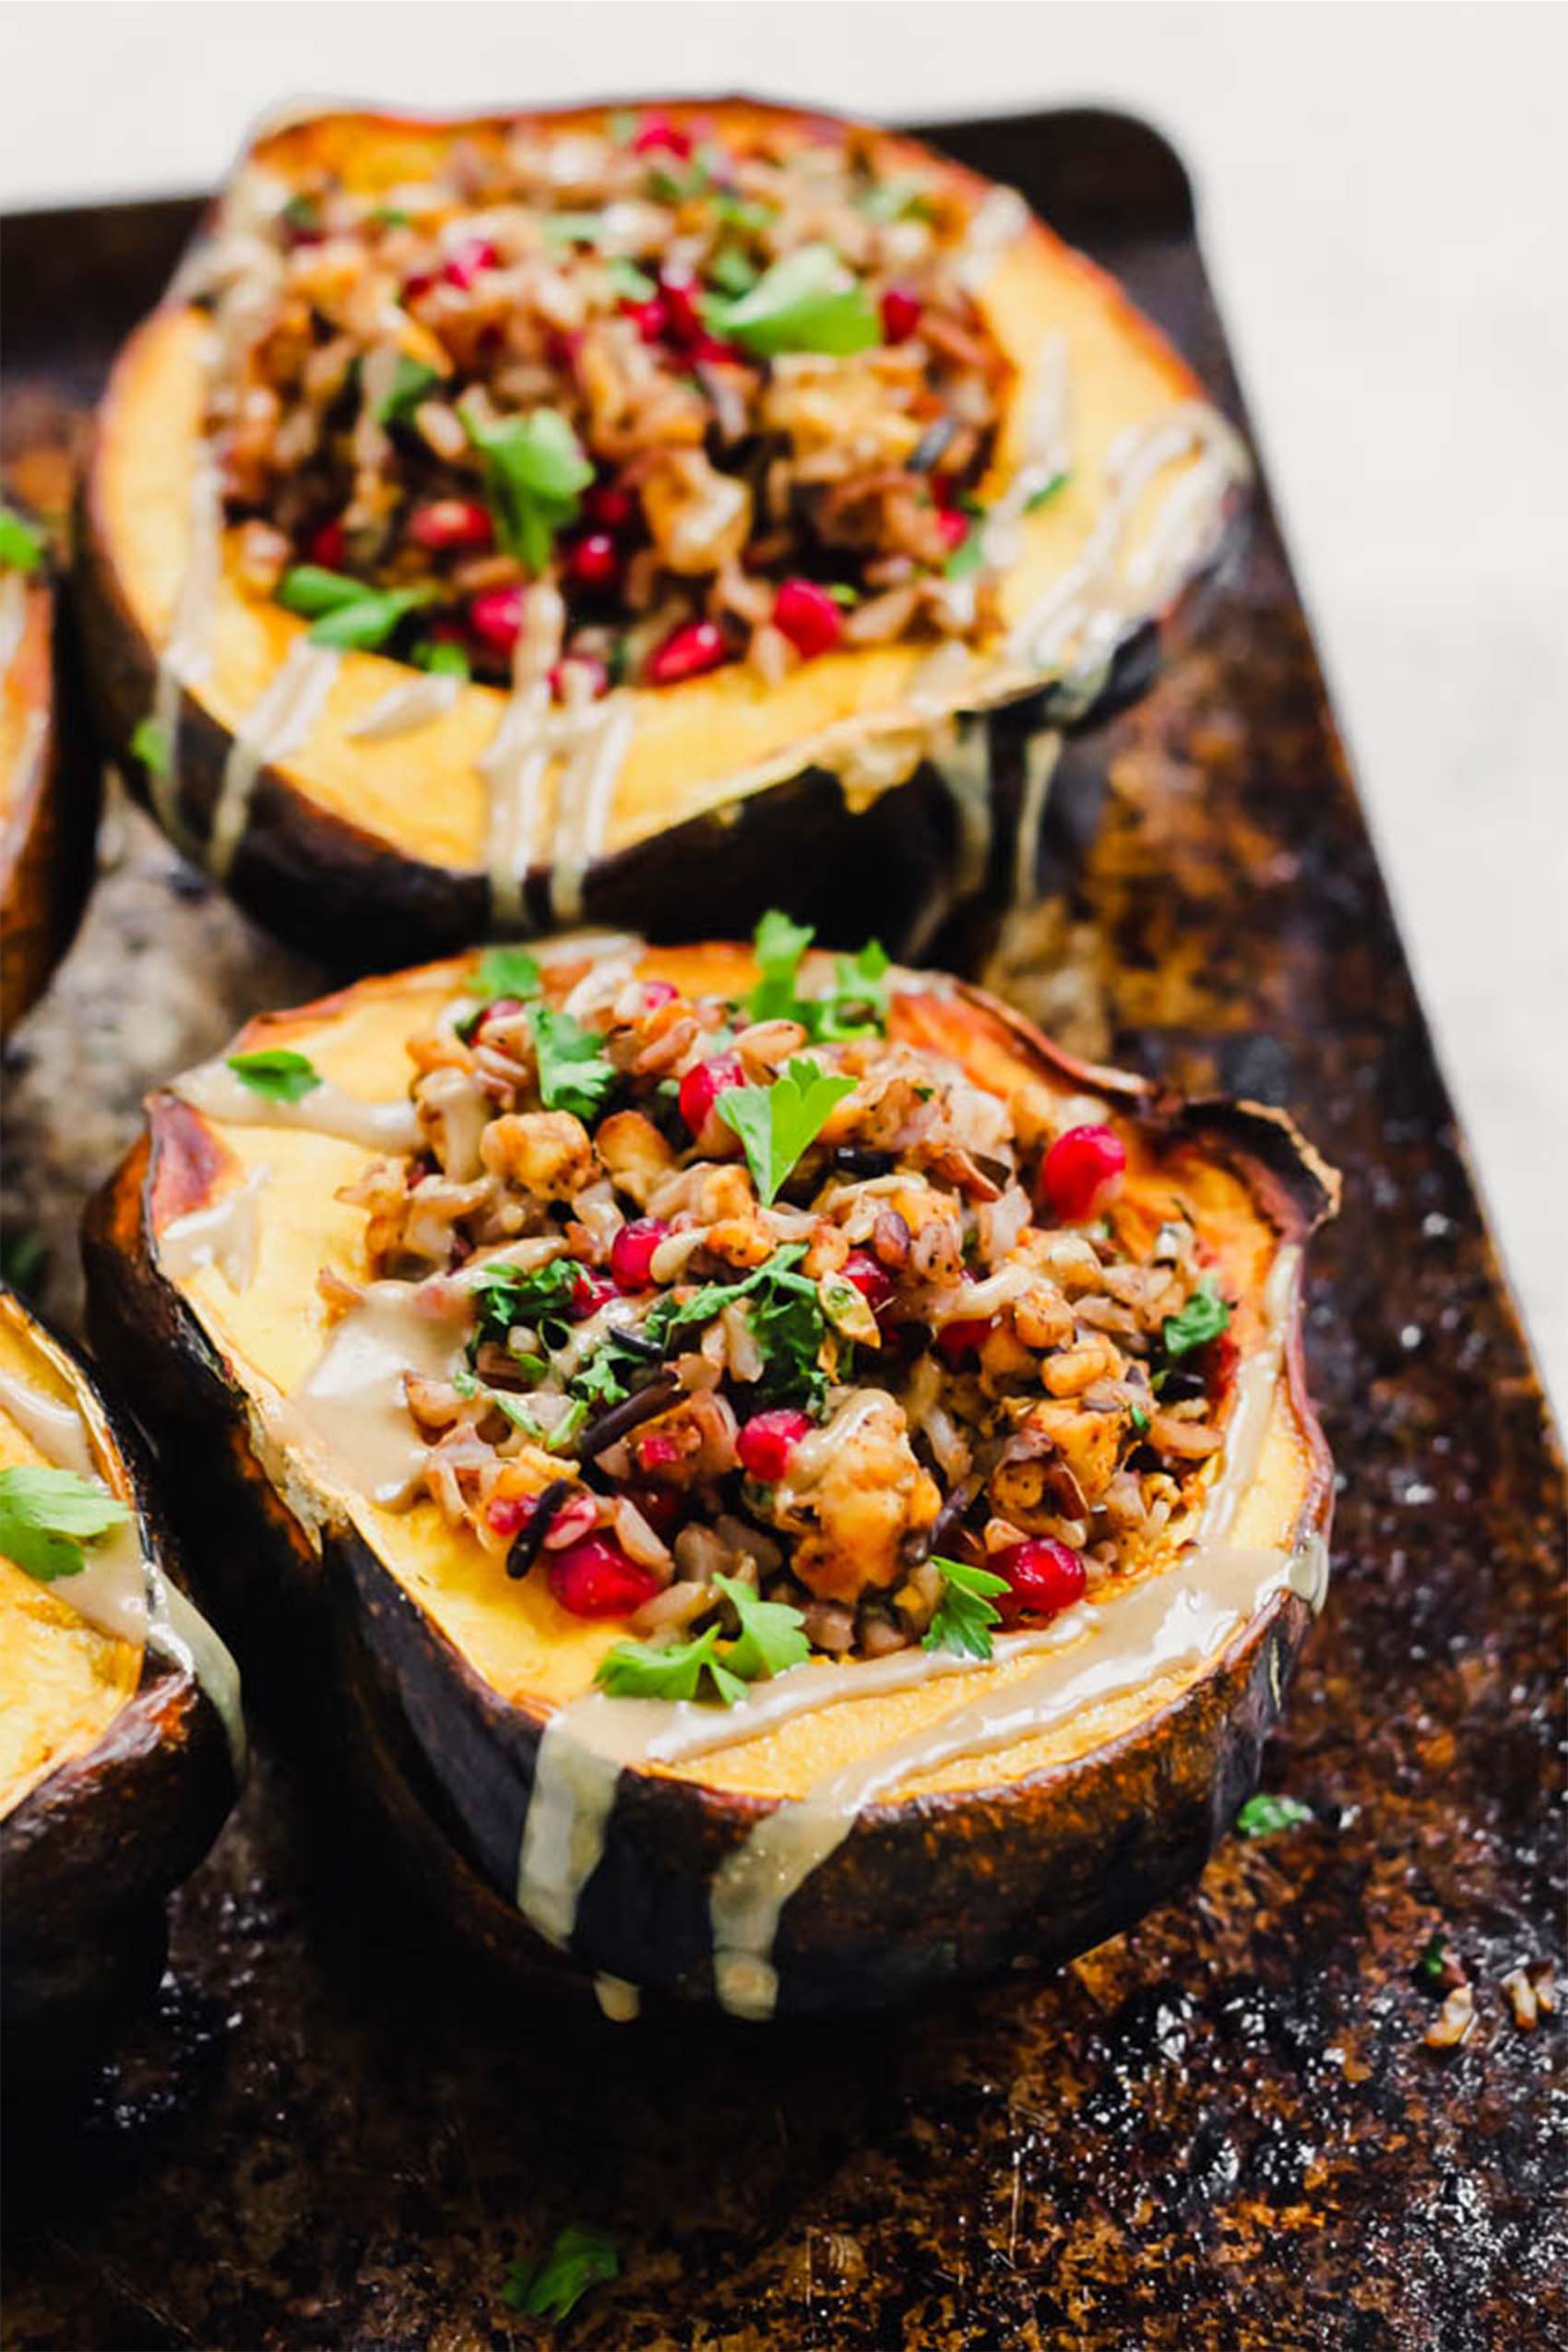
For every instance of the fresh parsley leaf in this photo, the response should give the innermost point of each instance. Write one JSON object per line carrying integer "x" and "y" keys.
{"x": 730, "y": 272}
{"x": 535, "y": 475}
{"x": 1264, "y": 1816}
{"x": 857, "y": 1006}
{"x": 597, "y": 1380}
{"x": 312, "y": 589}
{"x": 790, "y": 1327}
{"x": 275, "y": 1073}
{"x": 895, "y": 200}
{"x": 1138, "y": 1418}
{"x": 969, "y": 556}
{"x": 779, "y": 945}
{"x": 149, "y": 745}
{"x": 772, "y": 1636}
{"x": 579, "y": 2258}
{"x": 47, "y": 1515}
{"x": 573, "y": 1074}
{"x": 808, "y": 301}
{"x": 1432, "y": 1961}
{"x": 440, "y": 658}
{"x": 1047, "y": 491}
{"x": 507, "y": 1295}
{"x": 669, "y": 1315}
{"x": 965, "y": 1613}
{"x": 632, "y": 285}
{"x": 412, "y": 381}
{"x": 21, "y": 548}
{"x": 346, "y": 613}
{"x": 505, "y": 971}
{"x": 667, "y": 1670}
{"x": 747, "y": 213}
{"x": 778, "y": 1123}
{"x": 1204, "y": 1317}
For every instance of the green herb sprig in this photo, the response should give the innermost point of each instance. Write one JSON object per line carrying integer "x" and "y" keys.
{"x": 778, "y": 1124}
{"x": 1266, "y": 1816}
{"x": 965, "y": 1613}
{"x": 48, "y": 1516}
{"x": 535, "y": 474}
{"x": 275, "y": 1073}
{"x": 579, "y": 2258}
{"x": 808, "y": 301}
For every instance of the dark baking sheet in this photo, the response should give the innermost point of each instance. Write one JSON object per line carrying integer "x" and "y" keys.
{"x": 1222, "y": 2129}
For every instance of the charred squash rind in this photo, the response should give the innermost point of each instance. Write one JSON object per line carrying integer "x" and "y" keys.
{"x": 308, "y": 870}
{"x": 91, "y": 1855}
{"x": 49, "y": 804}
{"x": 937, "y": 1886}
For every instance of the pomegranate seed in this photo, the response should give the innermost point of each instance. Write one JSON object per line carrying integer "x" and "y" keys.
{"x": 1043, "y": 1577}
{"x": 417, "y": 286}
{"x": 649, "y": 317}
{"x": 956, "y": 1342}
{"x": 328, "y": 545}
{"x": 594, "y": 561}
{"x": 1080, "y": 1169}
{"x": 594, "y": 1578}
{"x": 686, "y": 652}
{"x": 496, "y": 616}
{"x": 766, "y": 1442}
{"x": 657, "y": 135}
{"x": 657, "y": 1451}
{"x": 713, "y": 349}
{"x": 661, "y": 1506}
{"x": 900, "y": 314}
{"x": 657, "y": 993}
{"x": 592, "y": 1291}
{"x": 510, "y": 1514}
{"x": 807, "y": 615}
{"x": 703, "y": 1085}
{"x": 609, "y": 506}
{"x": 591, "y": 666}
{"x": 450, "y": 523}
{"x": 474, "y": 255}
{"x": 684, "y": 320}
{"x": 954, "y": 525}
{"x": 631, "y": 1252}
{"x": 873, "y": 1281}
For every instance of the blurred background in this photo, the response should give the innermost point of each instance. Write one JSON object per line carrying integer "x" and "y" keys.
{"x": 1384, "y": 198}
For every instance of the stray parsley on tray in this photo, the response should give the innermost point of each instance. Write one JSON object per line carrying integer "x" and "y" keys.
{"x": 579, "y": 2257}
{"x": 1266, "y": 1816}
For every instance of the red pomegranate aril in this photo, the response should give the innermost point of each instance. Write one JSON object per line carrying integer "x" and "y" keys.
{"x": 682, "y": 319}
{"x": 613, "y": 509}
{"x": 657, "y": 1450}
{"x": 715, "y": 352}
{"x": 766, "y": 1442}
{"x": 450, "y": 523}
{"x": 631, "y": 1252}
{"x": 873, "y": 1281}
{"x": 647, "y": 316}
{"x": 1043, "y": 1579}
{"x": 954, "y": 525}
{"x": 687, "y": 652}
{"x": 496, "y": 616}
{"x": 900, "y": 314}
{"x": 463, "y": 266}
{"x": 592, "y": 1291}
{"x": 510, "y": 1514}
{"x": 957, "y": 1341}
{"x": 594, "y": 561}
{"x": 657, "y": 135}
{"x": 657, "y": 993}
{"x": 591, "y": 667}
{"x": 1080, "y": 1171}
{"x": 703, "y": 1085}
{"x": 807, "y": 615}
{"x": 593, "y": 1577}
{"x": 329, "y": 544}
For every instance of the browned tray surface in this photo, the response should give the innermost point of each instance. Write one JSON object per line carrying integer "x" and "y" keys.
{"x": 1222, "y": 2129}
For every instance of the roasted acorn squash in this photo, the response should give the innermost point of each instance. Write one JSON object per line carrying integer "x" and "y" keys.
{"x": 1113, "y": 1761}
{"x": 120, "y": 1732}
{"x": 887, "y": 762}
{"x": 49, "y": 782}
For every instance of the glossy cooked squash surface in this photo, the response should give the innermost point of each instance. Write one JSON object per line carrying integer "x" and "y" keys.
{"x": 530, "y": 1651}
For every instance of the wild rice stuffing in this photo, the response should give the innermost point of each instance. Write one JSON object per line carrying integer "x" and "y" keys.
{"x": 767, "y": 1291}
{"x": 727, "y": 392}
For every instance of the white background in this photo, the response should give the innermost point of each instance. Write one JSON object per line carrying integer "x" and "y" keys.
{"x": 1385, "y": 199}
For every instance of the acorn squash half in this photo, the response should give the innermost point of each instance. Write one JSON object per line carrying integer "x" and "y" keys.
{"x": 49, "y": 780}
{"x": 872, "y": 776}
{"x": 1118, "y": 1750}
{"x": 120, "y": 1732}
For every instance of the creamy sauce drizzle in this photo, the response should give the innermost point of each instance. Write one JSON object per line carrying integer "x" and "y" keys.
{"x": 187, "y": 657}
{"x": 219, "y": 1093}
{"x": 1041, "y": 755}
{"x": 225, "y": 1234}
{"x": 1180, "y": 1617}
{"x": 404, "y": 708}
{"x": 620, "y": 2002}
{"x": 276, "y": 724}
{"x": 515, "y": 765}
{"x": 13, "y": 616}
{"x": 121, "y": 1589}
{"x": 353, "y": 1398}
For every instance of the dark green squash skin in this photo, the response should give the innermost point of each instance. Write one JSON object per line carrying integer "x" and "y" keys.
{"x": 311, "y": 878}
{"x": 50, "y": 840}
{"x": 938, "y": 1888}
{"x": 90, "y": 1857}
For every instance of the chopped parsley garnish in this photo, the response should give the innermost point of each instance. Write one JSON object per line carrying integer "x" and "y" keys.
{"x": 579, "y": 2258}
{"x": 1266, "y": 1816}
{"x": 573, "y": 1074}
{"x": 553, "y": 1438}
{"x": 442, "y": 660}
{"x": 891, "y": 200}
{"x": 410, "y": 383}
{"x": 535, "y": 474}
{"x": 634, "y": 285}
{"x": 776, "y": 1124}
{"x": 149, "y": 745}
{"x": 787, "y": 1322}
{"x": 856, "y": 1007}
{"x": 1204, "y": 1317}
{"x": 507, "y": 1295}
{"x": 772, "y": 1639}
{"x": 808, "y": 301}
{"x": 1138, "y": 1418}
{"x": 1047, "y": 491}
{"x": 47, "y": 1516}
{"x": 779, "y": 945}
{"x": 966, "y": 1613}
{"x": 275, "y": 1073}
{"x": 732, "y": 272}
{"x": 504, "y": 971}
{"x": 21, "y": 548}
{"x": 1432, "y": 1961}
{"x": 969, "y": 556}
{"x": 345, "y": 613}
